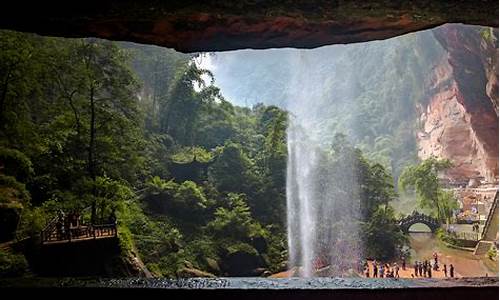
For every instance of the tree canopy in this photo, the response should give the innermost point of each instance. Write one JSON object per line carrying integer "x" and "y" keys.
{"x": 424, "y": 179}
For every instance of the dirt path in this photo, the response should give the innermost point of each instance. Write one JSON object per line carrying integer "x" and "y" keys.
{"x": 465, "y": 263}
{"x": 424, "y": 245}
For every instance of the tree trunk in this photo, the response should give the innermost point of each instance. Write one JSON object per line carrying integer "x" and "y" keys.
{"x": 75, "y": 113}
{"x": 91, "y": 154}
{"x": 5, "y": 86}
{"x": 438, "y": 208}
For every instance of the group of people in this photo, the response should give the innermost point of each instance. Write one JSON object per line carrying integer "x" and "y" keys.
{"x": 425, "y": 268}
{"x": 381, "y": 270}
{"x": 420, "y": 268}
{"x": 65, "y": 223}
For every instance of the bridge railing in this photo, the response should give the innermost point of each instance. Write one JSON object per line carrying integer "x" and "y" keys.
{"x": 417, "y": 217}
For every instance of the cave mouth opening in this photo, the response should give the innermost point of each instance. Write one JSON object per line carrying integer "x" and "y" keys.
{"x": 367, "y": 106}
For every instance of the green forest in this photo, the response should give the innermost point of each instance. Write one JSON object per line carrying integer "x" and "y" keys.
{"x": 198, "y": 184}
{"x": 368, "y": 91}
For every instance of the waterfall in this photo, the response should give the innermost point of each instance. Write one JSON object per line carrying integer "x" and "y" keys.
{"x": 323, "y": 206}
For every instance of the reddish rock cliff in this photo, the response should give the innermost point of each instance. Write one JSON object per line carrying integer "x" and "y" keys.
{"x": 459, "y": 120}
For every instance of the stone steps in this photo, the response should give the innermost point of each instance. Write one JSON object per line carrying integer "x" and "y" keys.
{"x": 483, "y": 247}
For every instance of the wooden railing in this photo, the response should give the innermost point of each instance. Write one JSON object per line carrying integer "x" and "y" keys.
{"x": 83, "y": 232}
{"x": 47, "y": 231}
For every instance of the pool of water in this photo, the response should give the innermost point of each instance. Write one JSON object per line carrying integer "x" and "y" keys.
{"x": 251, "y": 283}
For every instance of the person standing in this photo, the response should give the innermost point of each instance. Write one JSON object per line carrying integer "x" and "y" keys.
{"x": 415, "y": 268}
{"x": 445, "y": 271}
{"x": 59, "y": 229}
{"x": 381, "y": 271}
{"x": 452, "y": 271}
{"x": 396, "y": 270}
{"x": 375, "y": 269}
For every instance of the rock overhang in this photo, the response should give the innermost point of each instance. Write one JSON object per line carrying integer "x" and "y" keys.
{"x": 218, "y": 25}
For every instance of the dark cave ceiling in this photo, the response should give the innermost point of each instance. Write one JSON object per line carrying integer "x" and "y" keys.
{"x": 192, "y": 26}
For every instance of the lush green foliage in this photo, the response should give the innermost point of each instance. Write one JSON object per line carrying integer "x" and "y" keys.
{"x": 12, "y": 264}
{"x": 423, "y": 178}
{"x": 492, "y": 253}
{"x": 383, "y": 235}
{"x": 102, "y": 127}
{"x": 372, "y": 92}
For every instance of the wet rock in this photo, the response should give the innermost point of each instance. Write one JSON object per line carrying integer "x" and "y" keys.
{"x": 283, "y": 266}
{"x": 242, "y": 260}
{"x": 191, "y": 272}
{"x": 259, "y": 271}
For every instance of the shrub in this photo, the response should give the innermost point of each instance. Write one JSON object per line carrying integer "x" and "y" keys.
{"x": 446, "y": 237}
{"x": 15, "y": 163}
{"x": 12, "y": 264}
{"x": 492, "y": 253}
{"x": 13, "y": 190}
{"x": 32, "y": 222}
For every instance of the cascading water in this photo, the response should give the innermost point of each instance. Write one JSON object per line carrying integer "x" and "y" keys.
{"x": 322, "y": 213}
{"x": 323, "y": 231}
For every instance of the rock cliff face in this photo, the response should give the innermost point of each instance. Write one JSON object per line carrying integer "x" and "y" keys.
{"x": 459, "y": 115}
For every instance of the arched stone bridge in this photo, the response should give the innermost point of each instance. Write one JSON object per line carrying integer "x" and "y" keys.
{"x": 416, "y": 218}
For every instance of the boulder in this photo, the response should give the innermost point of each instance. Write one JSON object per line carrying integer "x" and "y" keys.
{"x": 259, "y": 271}
{"x": 283, "y": 266}
{"x": 213, "y": 265}
{"x": 241, "y": 260}
{"x": 266, "y": 273}
{"x": 188, "y": 264}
